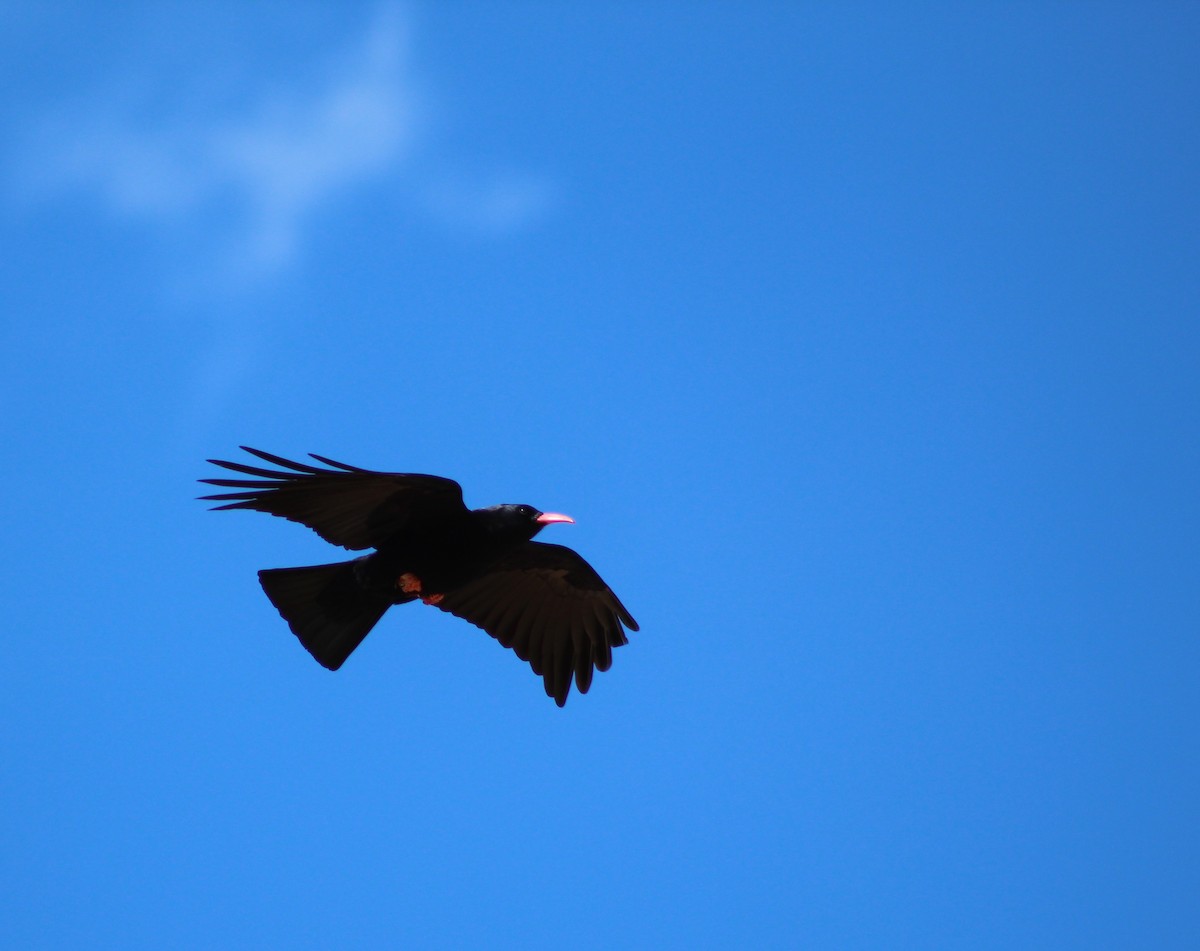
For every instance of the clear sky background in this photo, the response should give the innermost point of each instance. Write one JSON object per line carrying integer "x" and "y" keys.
{"x": 862, "y": 344}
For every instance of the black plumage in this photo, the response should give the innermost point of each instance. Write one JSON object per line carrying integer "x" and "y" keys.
{"x": 543, "y": 601}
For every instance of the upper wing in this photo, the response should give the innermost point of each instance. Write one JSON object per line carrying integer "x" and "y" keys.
{"x": 549, "y": 606}
{"x": 347, "y": 506}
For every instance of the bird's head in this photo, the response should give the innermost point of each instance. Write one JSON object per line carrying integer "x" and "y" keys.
{"x": 524, "y": 520}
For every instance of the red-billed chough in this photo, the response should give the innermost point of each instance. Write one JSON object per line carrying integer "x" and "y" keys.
{"x": 543, "y": 601}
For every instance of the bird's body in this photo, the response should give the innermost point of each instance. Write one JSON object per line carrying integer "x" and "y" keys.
{"x": 543, "y": 601}
{"x": 449, "y": 550}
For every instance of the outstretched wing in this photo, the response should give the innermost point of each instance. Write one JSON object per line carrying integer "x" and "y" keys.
{"x": 347, "y": 506}
{"x": 553, "y": 610}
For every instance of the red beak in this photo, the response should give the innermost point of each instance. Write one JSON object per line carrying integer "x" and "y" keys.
{"x": 549, "y": 518}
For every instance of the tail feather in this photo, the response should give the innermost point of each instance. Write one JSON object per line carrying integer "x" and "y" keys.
{"x": 325, "y": 606}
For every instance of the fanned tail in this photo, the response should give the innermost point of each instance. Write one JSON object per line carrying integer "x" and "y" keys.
{"x": 325, "y": 606}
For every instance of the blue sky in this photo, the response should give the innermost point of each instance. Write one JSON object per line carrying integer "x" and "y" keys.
{"x": 862, "y": 345}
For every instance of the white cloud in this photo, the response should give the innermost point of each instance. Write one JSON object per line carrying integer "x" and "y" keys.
{"x": 294, "y": 155}
{"x": 252, "y": 178}
{"x": 230, "y": 151}
{"x": 489, "y": 205}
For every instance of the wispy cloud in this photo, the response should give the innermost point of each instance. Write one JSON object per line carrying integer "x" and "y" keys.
{"x": 252, "y": 178}
{"x": 230, "y": 153}
{"x": 489, "y": 204}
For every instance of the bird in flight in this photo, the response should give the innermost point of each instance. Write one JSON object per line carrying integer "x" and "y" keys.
{"x": 543, "y": 601}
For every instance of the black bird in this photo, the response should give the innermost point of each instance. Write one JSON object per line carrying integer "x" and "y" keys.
{"x": 543, "y": 601}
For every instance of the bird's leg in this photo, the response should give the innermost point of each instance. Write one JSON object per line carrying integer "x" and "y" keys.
{"x": 409, "y": 583}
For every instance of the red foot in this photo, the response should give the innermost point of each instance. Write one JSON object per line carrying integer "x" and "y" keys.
{"x": 409, "y": 583}
{"x": 433, "y": 599}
